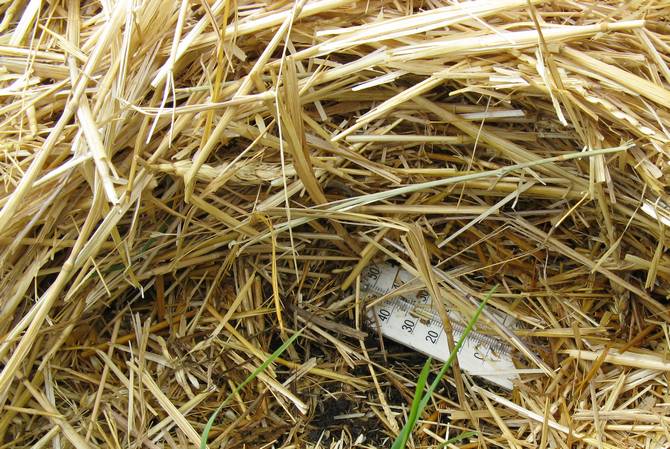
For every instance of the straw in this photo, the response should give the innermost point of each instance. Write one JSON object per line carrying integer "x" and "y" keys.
{"x": 186, "y": 183}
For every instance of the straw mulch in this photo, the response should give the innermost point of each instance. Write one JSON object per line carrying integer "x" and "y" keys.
{"x": 186, "y": 184}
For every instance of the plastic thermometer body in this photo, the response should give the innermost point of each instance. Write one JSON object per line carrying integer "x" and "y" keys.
{"x": 412, "y": 321}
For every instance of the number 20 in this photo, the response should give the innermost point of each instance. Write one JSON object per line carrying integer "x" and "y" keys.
{"x": 432, "y": 337}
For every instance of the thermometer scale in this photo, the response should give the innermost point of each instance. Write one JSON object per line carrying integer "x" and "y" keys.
{"x": 412, "y": 321}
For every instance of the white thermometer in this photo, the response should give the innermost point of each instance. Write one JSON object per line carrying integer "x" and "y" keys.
{"x": 411, "y": 320}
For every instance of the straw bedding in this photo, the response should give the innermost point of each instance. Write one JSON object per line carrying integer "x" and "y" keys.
{"x": 187, "y": 184}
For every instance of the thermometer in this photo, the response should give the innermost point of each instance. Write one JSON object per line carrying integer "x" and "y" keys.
{"x": 411, "y": 320}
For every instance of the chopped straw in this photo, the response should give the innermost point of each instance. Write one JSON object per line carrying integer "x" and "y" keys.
{"x": 185, "y": 185}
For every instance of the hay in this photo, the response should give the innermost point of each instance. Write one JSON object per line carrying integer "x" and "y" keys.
{"x": 187, "y": 184}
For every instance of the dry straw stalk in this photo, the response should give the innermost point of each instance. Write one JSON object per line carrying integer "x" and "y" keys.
{"x": 185, "y": 185}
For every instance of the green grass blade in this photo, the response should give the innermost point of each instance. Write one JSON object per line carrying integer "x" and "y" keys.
{"x": 414, "y": 409}
{"x": 457, "y": 438}
{"x": 457, "y": 347}
{"x": 403, "y": 436}
{"x": 252, "y": 376}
